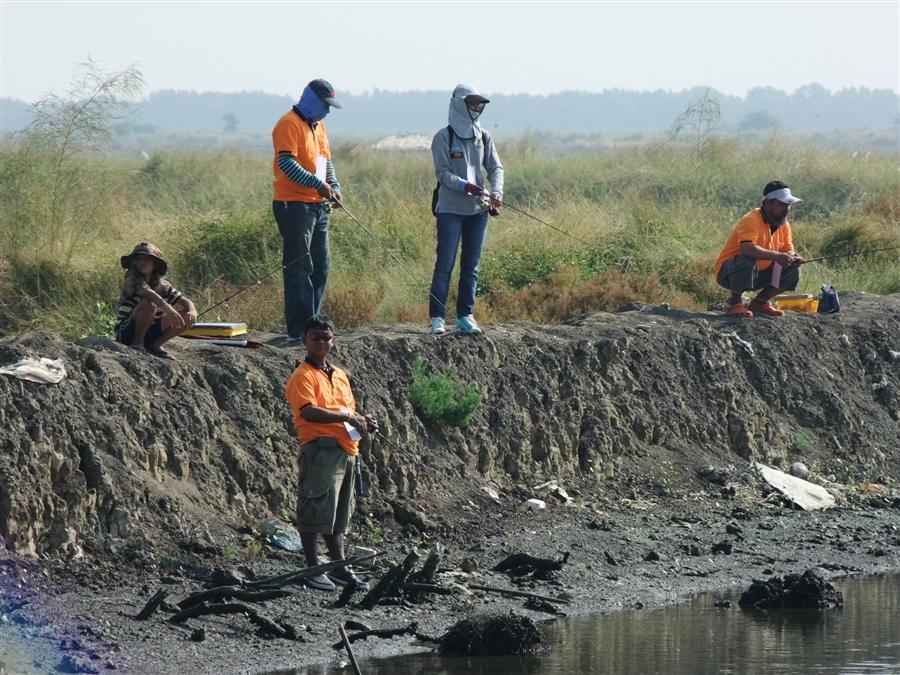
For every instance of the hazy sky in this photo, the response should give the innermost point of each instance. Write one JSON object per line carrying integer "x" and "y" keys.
{"x": 500, "y": 47}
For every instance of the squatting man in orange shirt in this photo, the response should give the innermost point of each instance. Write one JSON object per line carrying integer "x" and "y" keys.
{"x": 329, "y": 429}
{"x": 759, "y": 255}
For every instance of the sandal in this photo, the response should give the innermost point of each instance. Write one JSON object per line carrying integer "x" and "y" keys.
{"x": 739, "y": 310}
{"x": 765, "y": 308}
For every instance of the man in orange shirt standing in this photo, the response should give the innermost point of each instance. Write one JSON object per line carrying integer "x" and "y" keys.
{"x": 329, "y": 429}
{"x": 305, "y": 187}
{"x": 759, "y": 255}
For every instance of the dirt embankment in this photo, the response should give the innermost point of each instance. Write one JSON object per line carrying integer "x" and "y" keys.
{"x": 132, "y": 446}
{"x": 134, "y": 472}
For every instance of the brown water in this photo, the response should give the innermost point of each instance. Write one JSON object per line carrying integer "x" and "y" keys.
{"x": 696, "y": 637}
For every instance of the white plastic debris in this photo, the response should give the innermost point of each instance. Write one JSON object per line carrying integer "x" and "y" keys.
{"x": 43, "y": 370}
{"x": 808, "y": 496}
{"x": 740, "y": 342}
{"x": 844, "y": 340}
{"x": 535, "y": 504}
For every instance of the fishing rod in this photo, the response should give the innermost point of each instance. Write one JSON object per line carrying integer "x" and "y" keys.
{"x": 397, "y": 260}
{"x": 248, "y": 286}
{"x": 848, "y": 255}
{"x": 503, "y": 202}
{"x": 291, "y": 262}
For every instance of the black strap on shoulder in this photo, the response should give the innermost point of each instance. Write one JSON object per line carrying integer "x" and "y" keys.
{"x": 450, "y": 139}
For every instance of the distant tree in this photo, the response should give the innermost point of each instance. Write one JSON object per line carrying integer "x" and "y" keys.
{"x": 65, "y": 132}
{"x": 231, "y": 122}
{"x": 698, "y": 121}
{"x": 758, "y": 121}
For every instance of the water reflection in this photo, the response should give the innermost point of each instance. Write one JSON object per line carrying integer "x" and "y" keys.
{"x": 696, "y": 637}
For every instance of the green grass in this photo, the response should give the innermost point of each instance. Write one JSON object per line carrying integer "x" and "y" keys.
{"x": 654, "y": 218}
{"x": 442, "y": 399}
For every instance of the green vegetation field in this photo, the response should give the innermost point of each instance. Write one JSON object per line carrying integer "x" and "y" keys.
{"x": 654, "y": 218}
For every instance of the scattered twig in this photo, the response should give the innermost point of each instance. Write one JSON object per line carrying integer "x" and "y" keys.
{"x": 349, "y": 650}
{"x": 152, "y": 605}
{"x": 518, "y": 594}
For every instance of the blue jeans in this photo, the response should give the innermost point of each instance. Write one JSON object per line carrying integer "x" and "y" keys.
{"x": 451, "y": 228}
{"x": 304, "y": 230}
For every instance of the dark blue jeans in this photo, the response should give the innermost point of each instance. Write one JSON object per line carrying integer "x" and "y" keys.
{"x": 304, "y": 229}
{"x": 451, "y": 228}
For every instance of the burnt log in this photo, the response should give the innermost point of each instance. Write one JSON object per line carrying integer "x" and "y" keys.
{"x": 152, "y": 605}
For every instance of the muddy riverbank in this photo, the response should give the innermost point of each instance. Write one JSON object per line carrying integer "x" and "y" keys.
{"x": 135, "y": 474}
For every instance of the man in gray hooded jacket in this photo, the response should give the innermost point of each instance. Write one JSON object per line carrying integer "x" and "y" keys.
{"x": 460, "y": 150}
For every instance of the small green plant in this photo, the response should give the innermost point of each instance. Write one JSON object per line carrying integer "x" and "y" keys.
{"x": 255, "y": 548}
{"x": 103, "y": 323}
{"x": 442, "y": 399}
{"x": 230, "y": 551}
{"x": 800, "y": 443}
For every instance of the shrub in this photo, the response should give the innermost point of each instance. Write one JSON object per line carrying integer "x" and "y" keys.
{"x": 440, "y": 398}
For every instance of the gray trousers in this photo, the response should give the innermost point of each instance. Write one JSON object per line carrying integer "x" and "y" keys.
{"x": 741, "y": 274}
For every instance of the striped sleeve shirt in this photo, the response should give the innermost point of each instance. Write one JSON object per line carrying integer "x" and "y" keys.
{"x": 129, "y": 299}
{"x": 292, "y": 169}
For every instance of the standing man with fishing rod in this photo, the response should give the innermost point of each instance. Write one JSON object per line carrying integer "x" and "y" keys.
{"x": 460, "y": 150}
{"x": 329, "y": 429}
{"x": 759, "y": 255}
{"x": 305, "y": 187}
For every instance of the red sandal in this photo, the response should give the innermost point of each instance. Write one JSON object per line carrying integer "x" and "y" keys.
{"x": 740, "y": 310}
{"x": 765, "y": 308}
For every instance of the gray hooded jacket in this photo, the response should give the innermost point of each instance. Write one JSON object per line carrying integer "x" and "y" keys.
{"x": 460, "y": 164}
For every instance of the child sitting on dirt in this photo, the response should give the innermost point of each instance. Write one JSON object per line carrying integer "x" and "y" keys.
{"x": 147, "y": 316}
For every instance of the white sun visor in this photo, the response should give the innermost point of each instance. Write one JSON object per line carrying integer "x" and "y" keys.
{"x": 784, "y": 196}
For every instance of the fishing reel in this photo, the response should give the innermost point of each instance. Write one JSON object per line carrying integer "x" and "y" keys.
{"x": 484, "y": 202}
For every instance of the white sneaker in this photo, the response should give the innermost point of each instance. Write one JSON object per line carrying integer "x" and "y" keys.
{"x": 437, "y": 325}
{"x": 467, "y": 324}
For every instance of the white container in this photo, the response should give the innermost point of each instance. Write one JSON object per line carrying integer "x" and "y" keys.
{"x": 535, "y": 504}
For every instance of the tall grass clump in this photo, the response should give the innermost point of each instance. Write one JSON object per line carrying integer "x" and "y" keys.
{"x": 440, "y": 398}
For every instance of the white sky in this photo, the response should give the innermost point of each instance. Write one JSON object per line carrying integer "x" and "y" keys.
{"x": 499, "y": 47}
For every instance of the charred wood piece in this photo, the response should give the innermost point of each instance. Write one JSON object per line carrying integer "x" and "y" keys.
{"x": 267, "y": 626}
{"x": 152, "y": 605}
{"x": 518, "y": 594}
{"x": 391, "y": 583}
{"x": 227, "y": 593}
{"x": 386, "y": 633}
{"x": 518, "y": 561}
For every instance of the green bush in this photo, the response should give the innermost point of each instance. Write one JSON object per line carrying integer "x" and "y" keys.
{"x": 238, "y": 249}
{"x": 440, "y": 398}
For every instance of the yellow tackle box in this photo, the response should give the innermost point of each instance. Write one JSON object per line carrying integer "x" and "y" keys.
{"x": 216, "y": 330}
{"x": 798, "y": 302}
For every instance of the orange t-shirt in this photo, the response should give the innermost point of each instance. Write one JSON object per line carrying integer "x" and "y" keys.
{"x": 309, "y": 385}
{"x": 293, "y": 134}
{"x": 753, "y": 228}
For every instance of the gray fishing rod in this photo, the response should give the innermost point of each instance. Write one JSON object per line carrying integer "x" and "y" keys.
{"x": 249, "y": 286}
{"x": 503, "y": 202}
{"x": 849, "y": 255}
{"x": 283, "y": 267}
{"x": 397, "y": 260}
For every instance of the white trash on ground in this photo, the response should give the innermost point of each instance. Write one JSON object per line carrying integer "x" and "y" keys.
{"x": 43, "y": 370}
{"x": 808, "y": 496}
